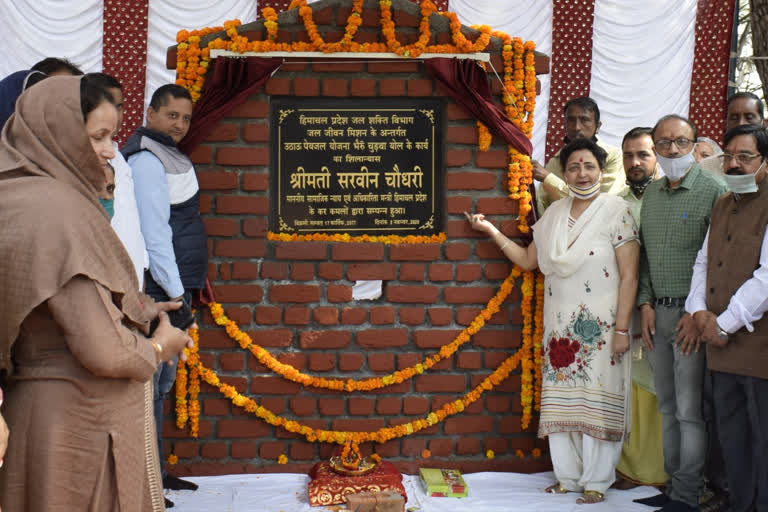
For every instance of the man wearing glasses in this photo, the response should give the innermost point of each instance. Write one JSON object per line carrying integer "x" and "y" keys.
{"x": 674, "y": 220}
{"x": 728, "y": 301}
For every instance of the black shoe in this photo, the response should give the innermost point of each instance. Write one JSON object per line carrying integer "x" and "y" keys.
{"x": 177, "y": 484}
{"x": 654, "y": 501}
{"x": 168, "y": 503}
{"x": 677, "y": 506}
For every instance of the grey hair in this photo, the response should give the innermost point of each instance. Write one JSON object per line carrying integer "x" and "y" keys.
{"x": 715, "y": 145}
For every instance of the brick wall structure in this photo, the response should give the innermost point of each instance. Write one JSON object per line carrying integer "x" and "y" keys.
{"x": 295, "y": 298}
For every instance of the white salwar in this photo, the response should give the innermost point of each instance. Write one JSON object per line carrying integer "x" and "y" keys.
{"x": 582, "y": 462}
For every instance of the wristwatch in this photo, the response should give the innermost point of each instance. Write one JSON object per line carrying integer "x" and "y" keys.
{"x": 721, "y": 332}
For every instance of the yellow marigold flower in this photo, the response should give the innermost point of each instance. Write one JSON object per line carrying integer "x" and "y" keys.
{"x": 536, "y": 453}
{"x": 172, "y": 459}
{"x": 489, "y": 454}
{"x": 425, "y": 454}
{"x": 282, "y": 459}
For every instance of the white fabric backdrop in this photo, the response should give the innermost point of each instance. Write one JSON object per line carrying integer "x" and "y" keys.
{"x": 641, "y": 68}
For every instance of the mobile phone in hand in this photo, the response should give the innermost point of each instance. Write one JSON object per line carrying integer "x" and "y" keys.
{"x": 180, "y": 318}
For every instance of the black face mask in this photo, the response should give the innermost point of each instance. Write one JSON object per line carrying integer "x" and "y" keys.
{"x": 639, "y": 188}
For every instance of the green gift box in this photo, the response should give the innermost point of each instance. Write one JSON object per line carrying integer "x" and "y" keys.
{"x": 443, "y": 482}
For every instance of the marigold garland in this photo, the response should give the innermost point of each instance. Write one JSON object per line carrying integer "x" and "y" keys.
{"x": 538, "y": 335}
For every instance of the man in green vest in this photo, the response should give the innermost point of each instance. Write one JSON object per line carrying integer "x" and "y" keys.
{"x": 728, "y": 301}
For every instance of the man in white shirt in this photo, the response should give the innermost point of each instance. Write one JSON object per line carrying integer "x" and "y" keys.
{"x": 728, "y": 301}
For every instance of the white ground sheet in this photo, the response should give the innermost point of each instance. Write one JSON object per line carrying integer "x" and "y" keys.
{"x": 488, "y": 492}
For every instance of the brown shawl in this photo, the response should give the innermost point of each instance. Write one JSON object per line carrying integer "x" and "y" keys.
{"x": 52, "y": 226}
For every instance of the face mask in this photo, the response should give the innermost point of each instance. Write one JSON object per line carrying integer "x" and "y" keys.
{"x": 109, "y": 206}
{"x": 675, "y": 168}
{"x": 585, "y": 193}
{"x": 742, "y": 183}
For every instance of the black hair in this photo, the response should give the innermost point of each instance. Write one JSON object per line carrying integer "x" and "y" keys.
{"x": 54, "y": 64}
{"x": 93, "y": 94}
{"x": 679, "y": 118}
{"x": 162, "y": 94}
{"x": 104, "y": 80}
{"x": 579, "y": 144}
{"x": 749, "y": 96}
{"x": 34, "y": 77}
{"x": 636, "y": 133}
{"x": 758, "y": 132}
{"x": 584, "y": 103}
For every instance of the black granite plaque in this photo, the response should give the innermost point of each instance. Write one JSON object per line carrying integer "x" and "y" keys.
{"x": 357, "y": 166}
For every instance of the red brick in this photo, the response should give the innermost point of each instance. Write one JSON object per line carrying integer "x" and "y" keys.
{"x": 391, "y": 87}
{"x": 413, "y": 294}
{"x": 440, "y": 383}
{"x": 350, "y": 362}
{"x": 489, "y": 250}
{"x": 306, "y": 86}
{"x": 381, "y": 363}
{"x": 456, "y": 112}
{"x": 216, "y": 407}
{"x": 411, "y": 316}
{"x": 302, "y": 406}
{"x": 371, "y": 18}
{"x": 509, "y": 425}
{"x": 284, "y": 36}
{"x": 382, "y": 315}
{"x": 243, "y": 450}
{"x": 502, "y": 317}
{"x": 302, "y": 271}
{"x": 335, "y": 87}
{"x": 272, "y": 337}
{"x": 278, "y": 86}
{"x": 213, "y": 450}
{"x": 253, "y": 181}
{"x": 339, "y": 293}
{"x": 412, "y": 272}
{"x": 362, "y": 87}
{"x": 497, "y": 206}
{"x": 339, "y": 66}
{"x": 468, "y": 295}
{"x": 414, "y": 252}
{"x": 506, "y": 339}
{"x": 440, "y": 272}
{"x": 256, "y": 132}
{"x": 296, "y": 359}
{"x": 408, "y": 359}
{"x": 457, "y": 251}
{"x": 241, "y": 248}
{"x": 330, "y": 406}
{"x": 205, "y": 203}
{"x": 323, "y": 16}
{"x": 388, "y": 406}
{"x": 202, "y": 155}
{"x": 458, "y": 205}
{"x": 405, "y": 19}
{"x": 457, "y": 158}
{"x": 238, "y": 293}
{"x": 273, "y": 386}
{"x": 494, "y": 271}
{"x": 415, "y": 405}
{"x": 441, "y": 447}
{"x": 412, "y": 447}
{"x": 359, "y": 406}
{"x": 324, "y": 339}
{"x": 468, "y": 425}
{"x": 434, "y": 338}
{"x": 185, "y": 449}
{"x": 465, "y": 134}
{"x": 388, "y": 450}
{"x": 357, "y": 252}
{"x": 497, "y": 403}
{"x": 255, "y": 227}
{"x": 301, "y": 251}
{"x": 250, "y": 109}
{"x": 274, "y": 270}
{"x": 242, "y": 156}
{"x": 294, "y": 293}
{"x": 222, "y": 132}
{"x": 242, "y": 428}
{"x": 381, "y": 338}
{"x": 271, "y": 451}
{"x": 242, "y": 205}
{"x": 468, "y": 446}
{"x": 470, "y": 181}
{"x": 357, "y": 425}
{"x": 353, "y": 316}
{"x": 220, "y": 227}
{"x": 468, "y": 272}
{"x": 371, "y": 271}
{"x": 232, "y": 362}
{"x": 217, "y": 180}
{"x": 440, "y": 316}
{"x": 322, "y": 362}
{"x": 420, "y": 87}
{"x": 330, "y": 271}
{"x": 268, "y": 315}
{"x": 240, "y": 315}
{"x": 326, "y": 315}
{"x": 465, "y": 316}
{"x": 492, "y": 159}
{"x": 393, "y": 67}
{"x": 296, "y": 316}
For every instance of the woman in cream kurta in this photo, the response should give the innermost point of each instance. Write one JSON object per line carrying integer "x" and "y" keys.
{"x": 585, "y": 246}
{"x": 72, "y": 322}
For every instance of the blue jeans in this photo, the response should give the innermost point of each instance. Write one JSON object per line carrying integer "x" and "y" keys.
{"x": 162, "y": 383}
{"x": 679, "y": 381}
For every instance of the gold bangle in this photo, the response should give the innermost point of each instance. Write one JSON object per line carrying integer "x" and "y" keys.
{"x": 159, "y": 350}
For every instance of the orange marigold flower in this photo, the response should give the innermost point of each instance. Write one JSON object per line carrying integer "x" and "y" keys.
{"x": 425, "y": 454}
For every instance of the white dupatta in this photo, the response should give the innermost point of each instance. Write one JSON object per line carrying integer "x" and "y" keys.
{"x": 560, "y": 250}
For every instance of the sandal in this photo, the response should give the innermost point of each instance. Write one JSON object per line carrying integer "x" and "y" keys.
{"x": 556, "y": 488}
{"x": 590, "y": 497}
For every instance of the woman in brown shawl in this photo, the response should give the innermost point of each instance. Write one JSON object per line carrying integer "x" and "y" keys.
{"x": 72, "y": 323}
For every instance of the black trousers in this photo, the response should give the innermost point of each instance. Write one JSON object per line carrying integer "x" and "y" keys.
{"x": 741, "y": 408}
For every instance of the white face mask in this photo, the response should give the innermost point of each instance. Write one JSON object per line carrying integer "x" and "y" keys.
{"x": 675, "y": 168}
{"x": 585, "y": 193}
{"x": 742, "y": 183}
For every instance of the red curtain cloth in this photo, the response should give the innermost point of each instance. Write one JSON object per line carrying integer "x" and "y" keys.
{"x": 232, "y": 82}
{"x": 468, "y": 84}
{"x": 711, "y": 58}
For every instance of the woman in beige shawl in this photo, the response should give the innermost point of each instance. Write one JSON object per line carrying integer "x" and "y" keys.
{"x": 72, "y": 323}
{"x": 585, "y": 245}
